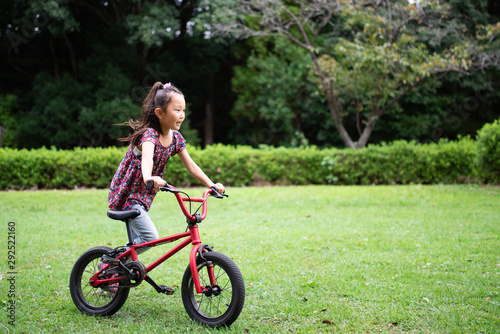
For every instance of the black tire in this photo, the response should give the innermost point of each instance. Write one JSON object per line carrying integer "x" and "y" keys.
{"x": 215, "y": 310}
{"x": 105, "y": 300}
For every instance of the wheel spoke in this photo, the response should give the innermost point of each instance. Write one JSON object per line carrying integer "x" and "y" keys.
{"x": 223, "y": 296}
{"x": 213, "y": 306}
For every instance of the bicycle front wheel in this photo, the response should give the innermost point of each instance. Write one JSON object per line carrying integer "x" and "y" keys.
{"x": 102, "y": 300}
{"x": 223, "y": 302}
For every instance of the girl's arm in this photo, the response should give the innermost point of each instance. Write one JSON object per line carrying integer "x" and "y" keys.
{"x": 196, "y": 171}
{"x": 148, "y": 149}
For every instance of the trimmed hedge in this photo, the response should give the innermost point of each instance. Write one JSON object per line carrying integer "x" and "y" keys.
{"x": 488, "y": 151}
{"x": 44, "y": 168}
{"x": 399, "y": 162}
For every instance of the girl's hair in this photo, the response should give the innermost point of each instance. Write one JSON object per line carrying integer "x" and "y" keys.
{"x": 158, "y": 97}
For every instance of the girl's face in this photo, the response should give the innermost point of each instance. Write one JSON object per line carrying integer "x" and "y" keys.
{"x": 172, "y": 118}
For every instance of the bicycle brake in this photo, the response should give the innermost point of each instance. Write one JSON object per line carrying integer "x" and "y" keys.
{"x": 208, "y": 249}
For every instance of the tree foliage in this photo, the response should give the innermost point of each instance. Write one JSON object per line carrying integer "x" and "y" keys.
{"x": 80, "y": 67}
{"x": 366, "y": 56}
{"x": 72, "y": 69}
{"x": 276, "y": 95}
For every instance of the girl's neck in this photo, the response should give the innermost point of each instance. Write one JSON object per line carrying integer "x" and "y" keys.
{"x": 166, "y": 132}
{"x": 166, "y": 138}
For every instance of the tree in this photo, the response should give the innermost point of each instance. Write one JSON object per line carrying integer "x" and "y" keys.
{"x": 367, "y": 55}
{"x": 80, "y": 67}
{"x": 7, "y": 122}
{"x": 277, "y": 104}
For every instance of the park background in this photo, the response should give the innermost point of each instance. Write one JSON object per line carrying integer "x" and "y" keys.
{"x": 265, "y": 75}
{"x": 71, "y": 70}
{"x": 322, "y": 94}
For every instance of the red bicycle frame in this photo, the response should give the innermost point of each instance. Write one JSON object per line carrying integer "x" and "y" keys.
{"x": 192, "y": 237}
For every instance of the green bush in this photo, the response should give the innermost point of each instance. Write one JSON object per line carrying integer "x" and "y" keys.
{"x": 488, "y": 152}
{"x": 402, "y": 162}
{"x": 399, "y": 162}
{"x": 50, "y": 168}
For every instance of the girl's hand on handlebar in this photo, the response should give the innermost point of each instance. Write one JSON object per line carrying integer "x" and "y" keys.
{"x": 158, "y": 182}
{"x": 219, "y": 187}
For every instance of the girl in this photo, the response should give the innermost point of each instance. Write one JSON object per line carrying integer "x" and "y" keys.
{"x": 155, "y": 138}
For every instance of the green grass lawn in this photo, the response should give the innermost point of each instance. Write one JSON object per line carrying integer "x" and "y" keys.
{"x": 395, "y": 259}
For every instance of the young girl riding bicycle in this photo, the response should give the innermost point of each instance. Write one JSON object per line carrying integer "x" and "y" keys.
{"x": 155, "y": 138}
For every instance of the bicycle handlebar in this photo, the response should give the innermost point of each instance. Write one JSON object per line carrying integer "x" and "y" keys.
{"x": 150, "y": 184}
{"x": 210, "y": 191}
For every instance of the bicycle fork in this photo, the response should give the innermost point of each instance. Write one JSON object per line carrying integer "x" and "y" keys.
{"x": 199, "y": 249}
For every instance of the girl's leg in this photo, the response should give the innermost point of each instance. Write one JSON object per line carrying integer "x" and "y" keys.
{"x": 143, "y": 228}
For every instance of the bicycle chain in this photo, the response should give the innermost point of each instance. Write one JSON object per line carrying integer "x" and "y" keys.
{"x": 135, "y": 266}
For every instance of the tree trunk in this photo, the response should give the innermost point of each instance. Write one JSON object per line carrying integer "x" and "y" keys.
{"x": 337, "y": 114}
{"x": 71, "y": 55}
{"x": 367, "y": 131}
{"x": 345, "y": 136}
{"x": 209, "y": 111}
{"x": 54, "y": 58}
{"x": 333, "y": 105}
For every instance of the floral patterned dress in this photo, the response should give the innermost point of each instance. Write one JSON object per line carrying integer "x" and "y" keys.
{"x": 127, "y": 187}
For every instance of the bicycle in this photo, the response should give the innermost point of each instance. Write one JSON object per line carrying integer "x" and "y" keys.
{"x": 213, "y": 290}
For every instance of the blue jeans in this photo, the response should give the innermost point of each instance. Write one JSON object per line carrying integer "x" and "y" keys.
{"x": 143, "y": 228}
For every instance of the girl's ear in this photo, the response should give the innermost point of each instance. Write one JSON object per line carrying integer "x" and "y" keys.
{"x": 158, "y": 113}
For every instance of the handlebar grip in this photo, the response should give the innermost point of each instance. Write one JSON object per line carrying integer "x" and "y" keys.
{"x": 217, "y": 194}
{"x": 170, "y": 189}
{"x": 150, "y": 185}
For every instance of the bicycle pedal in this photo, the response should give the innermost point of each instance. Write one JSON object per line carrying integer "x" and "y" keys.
{"x": 167, "y": 290}
{"x": 109, "y": 260}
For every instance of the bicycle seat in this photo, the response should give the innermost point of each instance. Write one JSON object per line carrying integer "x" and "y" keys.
{"x": 123, "y": 215}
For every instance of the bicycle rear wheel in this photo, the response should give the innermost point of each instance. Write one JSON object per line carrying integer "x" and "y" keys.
{"x": 222, "y": 305}
{"x": 102, "y": 300}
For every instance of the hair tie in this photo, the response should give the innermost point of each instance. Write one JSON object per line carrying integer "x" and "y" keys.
{"x": 165, "y": 86}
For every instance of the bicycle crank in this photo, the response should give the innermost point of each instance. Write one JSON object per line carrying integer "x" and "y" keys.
{"x": 136, "y": 274}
